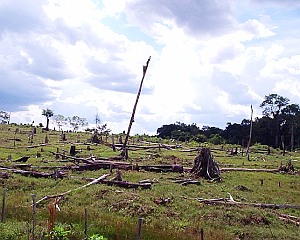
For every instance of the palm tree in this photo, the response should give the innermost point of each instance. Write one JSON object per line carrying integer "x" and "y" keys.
{"x": 48, "y": 113}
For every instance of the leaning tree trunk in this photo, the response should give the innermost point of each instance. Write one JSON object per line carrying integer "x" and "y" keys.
{"x": 205, "y": 166}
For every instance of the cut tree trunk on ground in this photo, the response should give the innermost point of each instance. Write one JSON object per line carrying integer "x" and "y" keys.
{"x": 169, "y": 147}
{"x": 163, "y": 168}
{"x": 94, "y": 181}
{"x": 4, "y": 175}
{"x": 190, "y": 150}
{"x": 87, "y": 160}
{"x": 185, "y": 182}
{"x": 205, "y": 166}
{"x": 249, "y": 170}
{"x": 125, "y": 184}
{"x": 231, "y": 202}
{"x": 290, "y": 219}
{"x": 36, "y": 146}
{"x": 97, "y": 166}
{"x": 35, "y": 174}
{"x": 22, "y": 159}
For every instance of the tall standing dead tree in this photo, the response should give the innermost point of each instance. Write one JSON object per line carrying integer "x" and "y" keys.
{"x": 124, "y": 151}
{"x": 205, "y": 166}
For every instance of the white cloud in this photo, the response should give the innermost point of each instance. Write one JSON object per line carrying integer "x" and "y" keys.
{"x": 255, "y": 29}
{"x": 210, "y": 60}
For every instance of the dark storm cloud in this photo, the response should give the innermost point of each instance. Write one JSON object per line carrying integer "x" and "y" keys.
{"x": 112, "y": 76}
{"x": 206, "y": 16}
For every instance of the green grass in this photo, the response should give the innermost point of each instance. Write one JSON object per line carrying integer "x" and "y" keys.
{"x": 113, "y": 211}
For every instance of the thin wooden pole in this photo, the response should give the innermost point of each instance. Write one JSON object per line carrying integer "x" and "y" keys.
{"x": 139, "y": 229}
{"x": 33, "y": 215}
{"x": 113, "y": 142}
{"x": 250, "y": 134}
{"x": 85, "y": 223}
{"x": 3, "y": 205}
{"x": 134, "y": 108}
{"x": 201, "y": 234}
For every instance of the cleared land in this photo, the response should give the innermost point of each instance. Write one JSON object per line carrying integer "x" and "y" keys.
{"x": 170, "y": 209}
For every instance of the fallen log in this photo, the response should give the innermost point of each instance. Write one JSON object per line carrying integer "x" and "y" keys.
{"x": 89, "y": 160}
{"x": 231, "y": 202}
{"x": 249, "y": 169}
{"x": 97, "y": 166}
{"x": 169, "y": 147}
{"x": 4, "y": 175}
{"x": 190, "y": 150}
{"x": 75, "y": 159}
{"x": 22, "y": 159}
{"x": 185, "y": 182}
{"x": 126, "y": 184}
{"x": 97, "y": 180}
{"x": 149, "y": 181}
{"x": 138, "y": 146}
{"x": 35, "y": 174}
{"x": 163, "y": 168}
{"x": 22, "y": 166}
{"x": 15, "y": 139}
{"x": 36, "y": 146}
{"x": 290, "y": 219}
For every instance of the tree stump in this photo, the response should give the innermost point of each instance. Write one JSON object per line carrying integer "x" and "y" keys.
{"x": 46, "y": 139}
{"x": 72, "y": 150}
{"x": 95, "y": 138}
{"x": 63, "y": 137}
{"x": 205, "y": 166}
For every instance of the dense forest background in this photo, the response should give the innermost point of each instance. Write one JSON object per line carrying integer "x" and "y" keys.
{"x": 278, "y": 127}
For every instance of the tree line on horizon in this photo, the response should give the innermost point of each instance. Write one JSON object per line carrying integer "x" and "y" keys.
{"x": 279, "y": 127}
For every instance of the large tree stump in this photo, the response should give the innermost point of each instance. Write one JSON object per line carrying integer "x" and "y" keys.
{"x": 205, "y": 166}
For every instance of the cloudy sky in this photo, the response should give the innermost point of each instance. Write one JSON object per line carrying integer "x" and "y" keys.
{"x": 210, "y": 59}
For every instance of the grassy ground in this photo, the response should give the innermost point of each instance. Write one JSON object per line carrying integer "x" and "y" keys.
{"x": 114, "y": 211}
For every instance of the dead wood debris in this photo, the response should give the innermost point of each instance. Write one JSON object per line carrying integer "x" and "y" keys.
{"x": 22, "y": 159}
{"x": 188, "y": 181}
{"x": 230, "y": 201}
{"x": 289, "y": 168}
{"x": 242, "y": 188}
{"x": 162, "y": 200}
{"x": 290, "y": 219}
{"x": 4, "y": 175}
{"x": 55, "y": 174}
{"x": 94, "y": 181}
{"x": 163, "y": 168}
